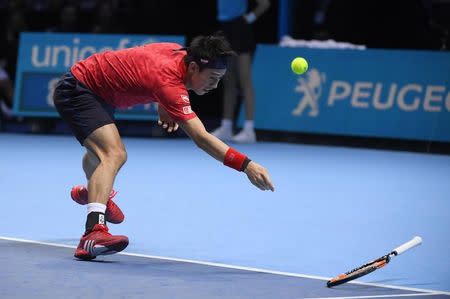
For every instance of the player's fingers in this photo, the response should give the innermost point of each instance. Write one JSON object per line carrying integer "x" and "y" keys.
{"x": 175, "y": 127}
{"x": 159, "y": 122}
{"x": 266, "y": 186}
{"x": 170, "y": 129}
{"x": 268, "y": 183}
{"x": 258, "y": 184}
{"x": 165, "y": 125}
{"x": 261, "y": 180}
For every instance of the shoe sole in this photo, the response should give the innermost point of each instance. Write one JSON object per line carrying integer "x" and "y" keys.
{"x": 101, "y": 250}
{"x": 84, "y": 255}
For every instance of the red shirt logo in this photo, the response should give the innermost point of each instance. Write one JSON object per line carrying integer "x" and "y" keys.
{"x": 187, "y": 110}
{"x": 185, "y": 98}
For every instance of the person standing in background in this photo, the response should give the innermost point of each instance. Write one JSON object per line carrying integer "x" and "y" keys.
{"x": 236, "y": 23}
{"x": 6, "y": 92}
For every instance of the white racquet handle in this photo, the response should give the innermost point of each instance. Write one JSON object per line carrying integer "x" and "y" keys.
{"x": 408, "y": 245}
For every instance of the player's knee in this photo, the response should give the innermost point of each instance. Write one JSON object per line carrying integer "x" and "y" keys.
{"x": 117, "y": 157}
{"x": 120, "y": 156}
{"x": 123, "y": 157}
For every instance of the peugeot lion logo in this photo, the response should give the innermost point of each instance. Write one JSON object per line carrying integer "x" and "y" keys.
{"x": 311, "y": 90}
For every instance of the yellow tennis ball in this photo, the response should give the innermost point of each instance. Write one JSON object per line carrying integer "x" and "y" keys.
{"x": 299, "y": 65}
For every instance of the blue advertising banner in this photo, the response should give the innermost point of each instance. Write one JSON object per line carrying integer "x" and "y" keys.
{"x": 374, "y": 93}
{"x": 44, "y": 57}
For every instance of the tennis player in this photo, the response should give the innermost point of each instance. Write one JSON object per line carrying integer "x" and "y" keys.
{"x": 87, "y": 96}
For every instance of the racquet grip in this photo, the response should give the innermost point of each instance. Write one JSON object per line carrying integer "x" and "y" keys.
{"x": 408, "y": 245}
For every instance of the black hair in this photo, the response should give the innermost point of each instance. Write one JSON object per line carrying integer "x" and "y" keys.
{"x": 209, "y": 51}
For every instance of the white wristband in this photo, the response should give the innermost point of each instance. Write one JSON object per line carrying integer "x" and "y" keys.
{"x": 250, "y": 17}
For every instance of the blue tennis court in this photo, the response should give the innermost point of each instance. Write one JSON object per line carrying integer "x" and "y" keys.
{"x": 201, "y": 230}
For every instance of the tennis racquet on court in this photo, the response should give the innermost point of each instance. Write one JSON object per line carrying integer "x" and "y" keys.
{"x": 373, "y": 265}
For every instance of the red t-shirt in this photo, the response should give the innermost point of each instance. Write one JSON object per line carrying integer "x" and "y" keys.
{"x": 139, "y": 75}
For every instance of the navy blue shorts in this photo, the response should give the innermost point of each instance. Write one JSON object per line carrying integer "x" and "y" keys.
{"x": 80, "y": 108}
{"x": 240, "y": 35}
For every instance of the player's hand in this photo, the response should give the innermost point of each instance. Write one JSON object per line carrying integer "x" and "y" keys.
{"x": 259, "y": 176}
{"x": 165, "y": 121}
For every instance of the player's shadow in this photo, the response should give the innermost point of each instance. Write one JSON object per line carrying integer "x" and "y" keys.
{"x": 391, "y": 280}
{"x": 355, "y": 287}
{"x": 67, "y": 241}
{"x": 97, "y": 261}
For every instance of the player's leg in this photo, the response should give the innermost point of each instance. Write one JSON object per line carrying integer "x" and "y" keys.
{"x": 92, "y": 122}
{"x": 80, "y": 193}
{"x": 90, "y": 163}
{"x": 106, "y": 145}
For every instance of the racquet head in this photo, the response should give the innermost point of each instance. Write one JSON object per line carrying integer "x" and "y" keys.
{"x": 358, "y": 272}
{"x": 373, "y": 265}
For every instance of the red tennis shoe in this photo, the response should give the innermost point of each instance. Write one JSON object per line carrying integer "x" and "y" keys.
{"x": 99, "y": 241}
{"x": 113, "y": 213}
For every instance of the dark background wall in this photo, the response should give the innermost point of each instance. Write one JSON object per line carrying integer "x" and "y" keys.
{"x": 416, "y": 24}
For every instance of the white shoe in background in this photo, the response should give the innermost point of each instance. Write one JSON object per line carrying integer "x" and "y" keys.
{"x": 223, "y": 133}
{"x": 245, "y": 136}
{"x": 5, "y": 110}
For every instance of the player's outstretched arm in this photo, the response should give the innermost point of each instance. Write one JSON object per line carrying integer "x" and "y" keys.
{"x": 257, "y": 174}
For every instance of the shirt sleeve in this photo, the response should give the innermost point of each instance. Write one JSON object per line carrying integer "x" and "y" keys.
{"x": 175, "y": 100}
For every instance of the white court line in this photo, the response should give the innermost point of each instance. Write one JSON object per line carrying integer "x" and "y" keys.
{"x": 379, "y": 296}
{"x": 428, "y": 292}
